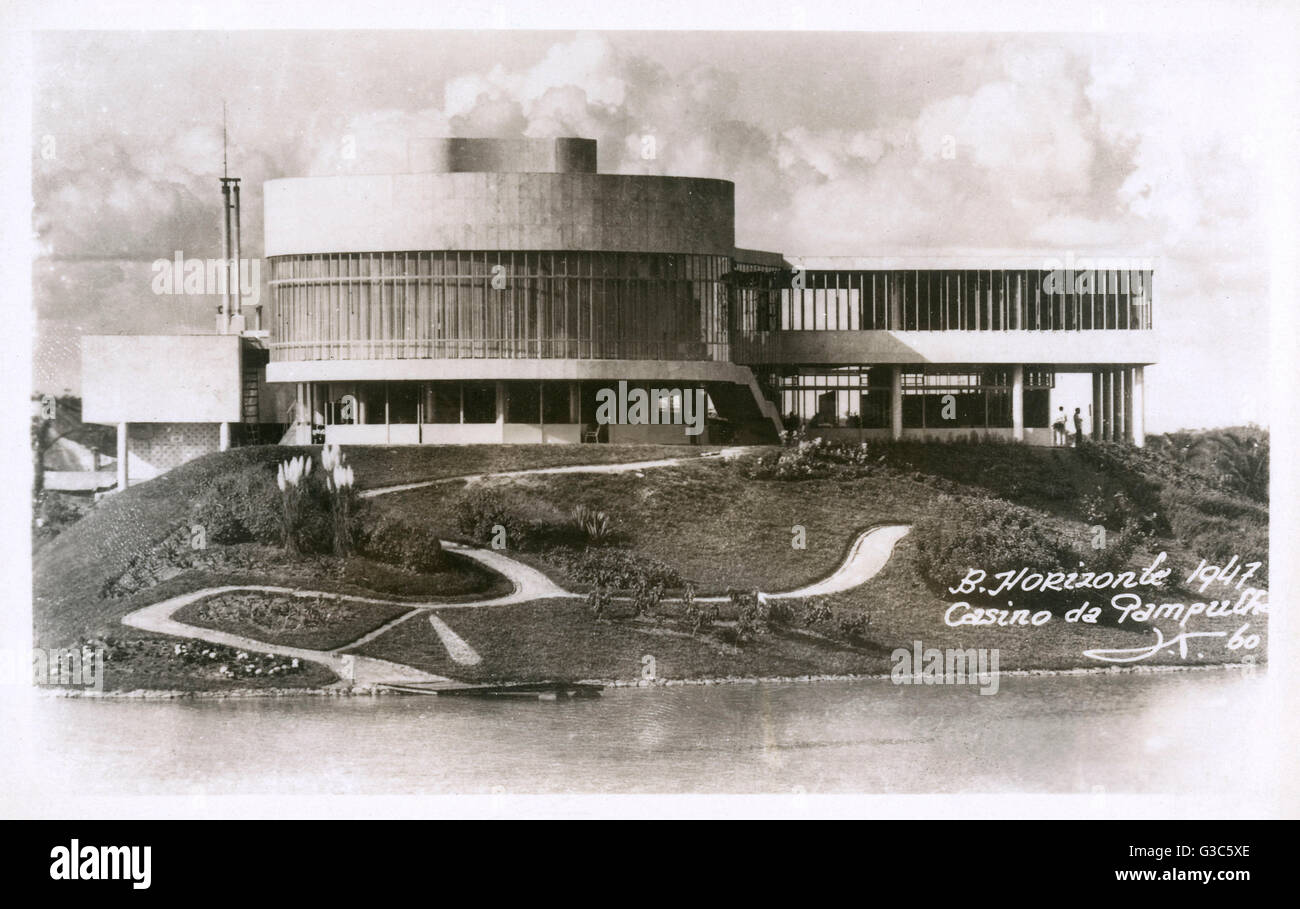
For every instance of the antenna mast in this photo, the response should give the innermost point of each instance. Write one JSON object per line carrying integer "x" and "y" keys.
{"x": 230, "y": 316}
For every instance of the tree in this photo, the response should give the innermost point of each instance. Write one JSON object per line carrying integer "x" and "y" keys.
{"x": 55, "y": 418}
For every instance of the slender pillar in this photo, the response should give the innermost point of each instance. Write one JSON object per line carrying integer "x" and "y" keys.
{"x": 122, "y": 448}
{"x": 575, "y": 402}
{"x": 1139, "y": 408}
{"x": 1018, "y": 403}
{"x": 1105, "y": 404}
{"x": 1124, "y": 403}
{"x": 223, "y": 437}
{"x": 1102, "y": 435}
{"x": 501, "y": 411}
{"x": 1094, "y": 417}
{"x": 302, "y": 416}
{"x": 896, "y": 403}
{"x": 1108, "y": 406}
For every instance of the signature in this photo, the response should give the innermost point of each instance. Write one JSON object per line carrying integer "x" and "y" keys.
{"x": 1136, "y": 654}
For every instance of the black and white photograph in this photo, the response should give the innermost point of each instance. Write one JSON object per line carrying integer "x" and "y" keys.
{"x": 775, "y": 411}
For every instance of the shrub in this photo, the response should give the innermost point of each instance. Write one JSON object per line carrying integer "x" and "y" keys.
{"x": 646, "y": 597}
{"x": 1234, "y": 459}
{"x": 528, "y": 521}
{"x": 751, "y": 614}
{"x": 989, "y": 534}
{"x": 595, "y": 525}
{"x": 781, "y": 612}
{"x": 811, "y": 459}
{"x": 291, "y": 477}
{"x": 598, "y": 601}
{"x": 240, "y": 507}
{"x": 340, "y": 485}
{"x": 853, "y": 625}
{"x": 1118, "y": 551}
{"x": 609, "y": 566}
{"x": 814, "y": 611}
{"x": 54, "y": 513}
{"x": 388, "y": 538}
{"x": 700, "y": 616}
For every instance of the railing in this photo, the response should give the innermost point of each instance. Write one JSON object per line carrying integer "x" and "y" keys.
{"x": 499, "y": 348}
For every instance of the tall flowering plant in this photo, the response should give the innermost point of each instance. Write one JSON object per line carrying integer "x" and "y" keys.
{"x": 291, "y": 476}
{"x": 339, "y": 481}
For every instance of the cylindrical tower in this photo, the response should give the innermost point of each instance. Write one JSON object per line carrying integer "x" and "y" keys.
{"x": 496, "y": 261}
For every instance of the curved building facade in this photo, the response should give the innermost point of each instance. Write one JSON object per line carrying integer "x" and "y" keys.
{"x": 501, "y": 288}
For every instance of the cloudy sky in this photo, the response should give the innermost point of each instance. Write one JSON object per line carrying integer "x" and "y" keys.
{"x": 1138, "y": 145}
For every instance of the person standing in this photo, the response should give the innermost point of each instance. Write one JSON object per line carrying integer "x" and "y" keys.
{"x": 1078, "y": 428}
{"x": 1058, "y": 427}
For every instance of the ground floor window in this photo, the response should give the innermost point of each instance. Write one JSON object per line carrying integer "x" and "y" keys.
{"x": 933, "y": 397}
{"x": 972, "y": 397}
{"x": 403, "y": 402}
{"x": 480, "y": 402}
{"x": 442, "y": 402}
{"x": 855, "y": 396}
{"x": 371, "y": 396}
{"x": 555, "y": 403}
{"x": 523, "y": 402}
{"x": 1038, "y": 407}
{"x": 957, "y": 397}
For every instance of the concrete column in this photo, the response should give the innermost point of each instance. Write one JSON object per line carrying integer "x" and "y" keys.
{"x": 223, "y": 437}
{"x": 303, "y": 437}
{"x": 575, "y": 402}
{"x": 1123, "y": 405}
{"x": 1018, "y": 403}
{"x": 1105, "y": 404}
{"x": 896, "y": 403}
{"x": 1108, "y": 406}
{"x": 1094, "y": 418}
{"x": 501, "y": 411}
{"x": 1139, "y": 409}
{"x": 122, "y": 449}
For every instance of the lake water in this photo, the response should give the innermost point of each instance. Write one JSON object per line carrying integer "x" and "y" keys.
{"x": 1178, "y": 732}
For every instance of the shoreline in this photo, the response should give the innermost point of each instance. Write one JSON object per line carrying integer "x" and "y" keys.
{"x": 341, "y": 691}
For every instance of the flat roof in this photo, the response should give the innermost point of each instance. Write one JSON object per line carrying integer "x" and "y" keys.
{"x": 1030, "y": 260}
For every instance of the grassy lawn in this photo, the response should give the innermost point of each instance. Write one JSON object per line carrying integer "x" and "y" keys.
{"x": 393, "y": 465}
{"x": 135, "y": 661}
{"x": 559, "y": 639}
{"x": 720, "y": 530}
{"x": 457, "y": 578}
{"x": 69, "y": 572}
{"x": 316, "y": 623}
{"x": 715, "y": 527}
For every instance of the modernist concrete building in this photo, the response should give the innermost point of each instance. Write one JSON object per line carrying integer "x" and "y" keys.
{"x": 490, "y": 292}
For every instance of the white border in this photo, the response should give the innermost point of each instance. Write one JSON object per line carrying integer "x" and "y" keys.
{"x": 1274, "y": 27}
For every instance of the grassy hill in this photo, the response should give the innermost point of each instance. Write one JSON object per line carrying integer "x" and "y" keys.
{"x": 718, "y": 526}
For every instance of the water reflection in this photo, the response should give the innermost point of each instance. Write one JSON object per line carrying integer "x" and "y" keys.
{"x": 1139, "y": 733}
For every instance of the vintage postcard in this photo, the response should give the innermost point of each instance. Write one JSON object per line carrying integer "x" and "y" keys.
{"x": 537, "y": 408}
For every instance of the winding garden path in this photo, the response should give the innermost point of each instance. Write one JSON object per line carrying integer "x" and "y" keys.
{"x": 868, "y": 554}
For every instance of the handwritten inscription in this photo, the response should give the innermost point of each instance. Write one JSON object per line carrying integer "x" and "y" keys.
{"x": 1126, "y": 606}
